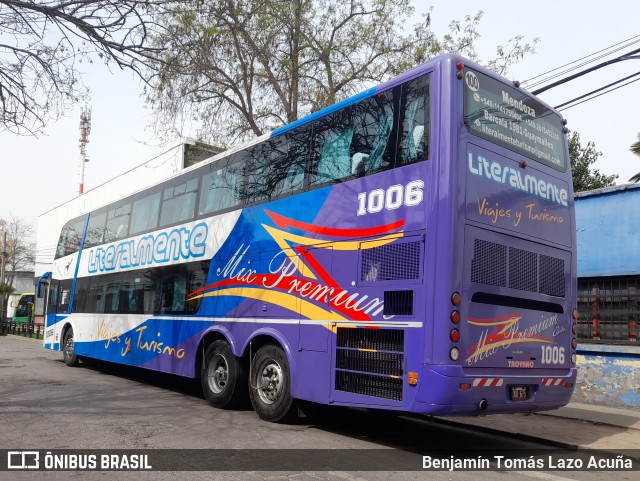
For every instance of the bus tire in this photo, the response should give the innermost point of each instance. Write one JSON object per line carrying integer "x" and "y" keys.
{"x": 270, "y": 384}
{"x": 68, "y": 350}
{"x": 223, "y": 376}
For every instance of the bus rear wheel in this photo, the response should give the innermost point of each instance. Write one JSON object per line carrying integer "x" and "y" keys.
{"x": 68, "y": 351}
{"x": 223, "y": 376}
{"x": 270, "y": 384}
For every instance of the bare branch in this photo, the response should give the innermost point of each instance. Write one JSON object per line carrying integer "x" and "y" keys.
{"x": 44, "y": 41}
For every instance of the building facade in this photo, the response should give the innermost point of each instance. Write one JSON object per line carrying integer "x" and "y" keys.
{"x": 608, "y": 237}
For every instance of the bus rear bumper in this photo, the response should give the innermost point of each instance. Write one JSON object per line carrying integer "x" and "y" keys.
{"x": 446, "y": 390}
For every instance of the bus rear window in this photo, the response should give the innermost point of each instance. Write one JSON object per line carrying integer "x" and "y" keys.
{"x": 508, "y": 117}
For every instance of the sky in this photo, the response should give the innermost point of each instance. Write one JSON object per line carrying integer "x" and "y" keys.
{"x": 41, "y": 173}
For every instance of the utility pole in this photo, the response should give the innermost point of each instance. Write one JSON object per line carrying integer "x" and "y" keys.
{"x": 85, "y": 130}
{"x": 3, "y": 256}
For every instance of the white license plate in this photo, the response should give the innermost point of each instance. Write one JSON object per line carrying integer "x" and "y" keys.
{"x": 519, "y": 393}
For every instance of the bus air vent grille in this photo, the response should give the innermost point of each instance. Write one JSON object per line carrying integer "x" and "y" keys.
{"x": 390, "y": 262}
{"x": 398, "y": 303}
{"x": 369, "y": 385}
{"x": 371, "y": 339}
{"x": 522, "y": 270}
{"x": 389, "y": 363}
{"x": 489, "y": 263}
{"x": 552, "y": 276}
{"x": 370, "y": 362}
{"x": 527, "y": 271}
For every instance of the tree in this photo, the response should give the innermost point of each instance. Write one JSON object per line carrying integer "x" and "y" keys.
{"x": 43, "y": 43}
{"x": 19, "y": 248}
{"x": 5, "y": 291}
{"x": 635, "y": 149}
{"x": 240, "y": 68}
{"x": 582, "y": 160}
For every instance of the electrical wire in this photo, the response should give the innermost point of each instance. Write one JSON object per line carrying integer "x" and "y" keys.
{"x": 596, "y": 96}
{"x": 598, "y": 90}
{"x": 620, "y": 58}
{"x": 631, "y": 41}
{"x": 586, "y": 56}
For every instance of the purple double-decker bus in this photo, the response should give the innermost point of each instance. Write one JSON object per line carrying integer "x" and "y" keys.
{"x": 411, "y": 248}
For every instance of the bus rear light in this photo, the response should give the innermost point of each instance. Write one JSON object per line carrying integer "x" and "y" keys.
{"x": 574, "y": 343}
{"x": 456, "y": 299}
{"x": 454, "y": 354}
{"x": 455, "y": 335}
{"x": 575, "y": 314}
{"x": 465, "y": 387}
{"x": 573, "y": 358}
{"x": 412, "y": 382}
{"x": 459, "y": 65}
{"x": 568, "y": 384}
{"x": 413, "y": 375}
{"x": 574, "y": 329}
{"x": 455, "y": 317}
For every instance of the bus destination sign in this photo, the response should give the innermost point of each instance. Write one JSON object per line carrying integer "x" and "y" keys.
{"x": 508, "y": 117}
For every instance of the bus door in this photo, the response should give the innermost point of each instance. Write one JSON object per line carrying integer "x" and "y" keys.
{"x": 57, "y": 301}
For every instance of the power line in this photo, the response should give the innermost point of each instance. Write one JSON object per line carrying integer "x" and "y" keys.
{"x": 635, "y": 39}
{"x": 596, "y": 96}
{"x": 626, "y": 56}
{"x": 598, "y": 90}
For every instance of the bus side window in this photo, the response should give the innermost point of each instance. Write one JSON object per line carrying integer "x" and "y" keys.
{"x": 414, "y": 138}
{"x": 179, "y": 202}
{"x": 118, "y": 222}
{"x": 334, "y": 162}
{"x": 221, "y": 187}
{"x": 268, "y": 164}
{"x": 144, "y": 214}
{"x": 373, "y": 120}
{"x": 95, "y": 229}
{"x": 63, "y": 296}
{"x": 70, "y": 237}
{"x": 355, "y": 141}
{"x": 332, "y": 136}
{"x": 293, "y": 169}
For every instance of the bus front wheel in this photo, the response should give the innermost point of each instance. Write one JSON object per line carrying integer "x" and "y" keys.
{"x": 270, "y": 384}
{"x": 223, "y": 377}
{"x": 68, "y": 350}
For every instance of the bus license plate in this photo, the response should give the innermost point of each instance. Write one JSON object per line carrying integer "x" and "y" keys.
{"x": 519, "y": 393}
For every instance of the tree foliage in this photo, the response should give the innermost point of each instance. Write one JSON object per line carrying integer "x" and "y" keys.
{"x": 19, "y": 248}
{"x": 635, "y": 149}
{"x": 239, "y": 68}
{"x": 43, "y": 43}
{"x": 582, "y": 160}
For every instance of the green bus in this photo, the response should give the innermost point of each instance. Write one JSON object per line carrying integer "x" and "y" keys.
{"x": 23, "y": 307}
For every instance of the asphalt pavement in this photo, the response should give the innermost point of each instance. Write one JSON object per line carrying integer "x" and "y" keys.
{"x": 576, "y": 425}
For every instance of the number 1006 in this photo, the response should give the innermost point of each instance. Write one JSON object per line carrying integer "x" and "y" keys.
{"x": 391, "y": 198}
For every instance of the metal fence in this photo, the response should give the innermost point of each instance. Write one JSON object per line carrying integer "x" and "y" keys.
{"x": 609, "y": 309}
{"x": 26, "y": 329}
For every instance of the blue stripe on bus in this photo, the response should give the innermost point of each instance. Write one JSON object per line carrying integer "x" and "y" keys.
{"x": 326, "y": 111}
{"x": 75, "y": 276}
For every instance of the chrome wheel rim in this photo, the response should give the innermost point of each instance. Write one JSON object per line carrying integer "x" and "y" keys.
{"x": 218, "y": 374}
{"x": 270, "y": 382}
{"x": 68, "y": 346}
